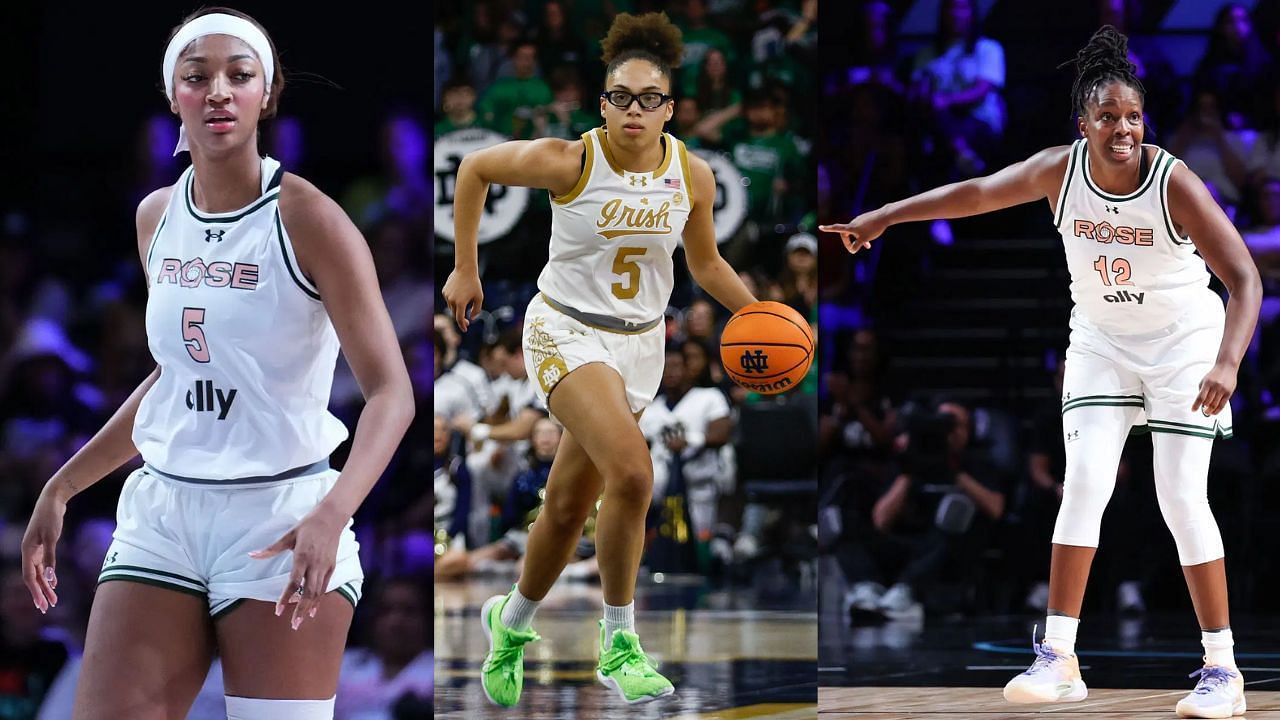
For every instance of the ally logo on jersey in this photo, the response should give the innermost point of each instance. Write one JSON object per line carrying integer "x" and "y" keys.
{"x": 207, "y": 397}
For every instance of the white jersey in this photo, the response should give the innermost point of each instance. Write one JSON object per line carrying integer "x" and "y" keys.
{"x": 245, "y": 348}
{"x": 613, "y": 234}
{"x": 1130, "y": 270}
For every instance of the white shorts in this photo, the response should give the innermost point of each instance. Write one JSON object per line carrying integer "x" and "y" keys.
{"x": 1159, "y": 372}
{"x": 196, "y": 538}
{"x": 556, "y": 345}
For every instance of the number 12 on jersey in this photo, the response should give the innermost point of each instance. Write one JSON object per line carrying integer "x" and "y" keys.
{"x": 1119, "y": 266}
{"x": 193, "y": 334}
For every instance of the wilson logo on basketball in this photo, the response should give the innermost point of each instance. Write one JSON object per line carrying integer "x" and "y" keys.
{"x": 756, "y": 362}
{"x": 1105, "y": 233}
{"x": 618, "y": 218}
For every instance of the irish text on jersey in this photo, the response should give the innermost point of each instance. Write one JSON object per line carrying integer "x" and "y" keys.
{"x": 192, "y": 273}
{"x": 620, "y": 218}
{"x": 1104, "y": 232}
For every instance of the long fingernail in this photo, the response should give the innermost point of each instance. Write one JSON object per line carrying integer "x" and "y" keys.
{"x": 296, "y": 622}
{"x": 279, "y": 609}
{"x": 313, "y": 612}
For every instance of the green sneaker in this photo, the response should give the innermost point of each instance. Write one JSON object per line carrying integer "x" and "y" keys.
{"x": 625, "y": 668}
{"x": 502, "y": 674}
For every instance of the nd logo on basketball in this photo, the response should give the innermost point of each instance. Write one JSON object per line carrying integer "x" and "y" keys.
{"x": 756, "y": 362}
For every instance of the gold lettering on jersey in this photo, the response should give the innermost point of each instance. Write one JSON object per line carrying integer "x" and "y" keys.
{"x": 1106, "y": 233}
{"x": 617, "y": 218}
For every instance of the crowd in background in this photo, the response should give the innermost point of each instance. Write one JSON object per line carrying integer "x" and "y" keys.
{"x": 532, "y": 69}
{"x": 73, "y": 346}
{"x": 934, "y": 505}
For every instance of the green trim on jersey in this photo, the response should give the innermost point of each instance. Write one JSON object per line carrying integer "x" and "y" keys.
{"x": 271, "y": 194}
{"x": 1109, "y": 400}
{"x": 1176, "y": 428}
{"x": 149, "y": 571}
{"x": 1066, "y": 184}
{"x": 108, "y": 577}
{"x": 1151, "y": 175}
{"x": 348, "y": 591}
{"x": 151, "y": 249}
{"x": 1166, "y": 174}
{"x": 226, "y": 608}
{"x": 296, "y": 274}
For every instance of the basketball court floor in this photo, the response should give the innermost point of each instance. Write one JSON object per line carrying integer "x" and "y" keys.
{"x": 731, "y": 653}
{"x": 950, "y": 668}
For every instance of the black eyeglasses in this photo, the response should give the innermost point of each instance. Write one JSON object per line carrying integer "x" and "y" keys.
{"x": 623, "y": 99}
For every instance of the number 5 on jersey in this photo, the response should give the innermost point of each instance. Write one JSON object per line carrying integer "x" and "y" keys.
{"x": 629, "y": 268}
{"x": 193, "y": 334}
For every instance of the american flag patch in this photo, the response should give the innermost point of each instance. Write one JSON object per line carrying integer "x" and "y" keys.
{"x": 673, "y": 183}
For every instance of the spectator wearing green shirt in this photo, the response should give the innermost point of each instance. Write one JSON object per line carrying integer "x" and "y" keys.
{"x": 700, "y": 39}
{"x": 459, "y": 108}
{"x": 510, "y": 103}
{"x": 565, "y": 118}
{"x": 767, "y": 156}
{"x": 718, "y": 99}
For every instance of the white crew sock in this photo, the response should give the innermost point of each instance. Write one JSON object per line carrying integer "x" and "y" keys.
{"x": 1060, "y": 633}
{"x": 1218, "y": 648}
{"x": 618, "y": 617}
{"x": 517, "y": 614}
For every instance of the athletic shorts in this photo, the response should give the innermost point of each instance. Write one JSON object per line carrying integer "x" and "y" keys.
{"x": 1158, "y": 371}
{"x": 556, "y": 345}
{"x": 195, "y": 537}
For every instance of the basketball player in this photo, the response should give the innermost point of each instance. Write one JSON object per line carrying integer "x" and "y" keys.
{"x": 1150, "y": 345}
{"x": 622, "y": 198}
{"x": 255, "y": 276}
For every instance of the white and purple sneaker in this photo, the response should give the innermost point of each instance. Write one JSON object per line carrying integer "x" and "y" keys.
{"x": 1218, "y": 694}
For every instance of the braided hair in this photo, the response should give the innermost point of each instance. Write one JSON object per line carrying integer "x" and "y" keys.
{"x": 651, "y": 37}
{"x": 1104, "y": 59}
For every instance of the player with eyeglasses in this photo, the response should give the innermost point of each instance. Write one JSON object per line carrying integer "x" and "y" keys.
{"x": 623, "y": 197}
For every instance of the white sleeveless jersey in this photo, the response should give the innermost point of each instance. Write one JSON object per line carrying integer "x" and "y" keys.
{"x": 245, "y": 348}
{"x": 1130, "y": 270}
{"x": 613, "y": 234}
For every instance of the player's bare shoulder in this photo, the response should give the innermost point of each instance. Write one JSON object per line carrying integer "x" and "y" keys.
{"x": 150, "y": 210}
{"x": 1047, "y": 169}
{"x": 566, "y": 161}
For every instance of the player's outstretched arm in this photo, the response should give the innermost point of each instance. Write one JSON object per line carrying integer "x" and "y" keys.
{"x": 108, "y": 449}
{"x": 708, "y": 269}
{"x": 1035, "y": 178}
{"x": 1194, "y": 212}
{"x": 550, "y": 163}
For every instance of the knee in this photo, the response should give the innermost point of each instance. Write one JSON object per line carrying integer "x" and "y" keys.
{"x": 566, "y": 512}
{"x": 631, "y": 482}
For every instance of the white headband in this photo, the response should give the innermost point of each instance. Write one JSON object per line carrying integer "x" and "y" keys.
{"x": 215, "y": 24}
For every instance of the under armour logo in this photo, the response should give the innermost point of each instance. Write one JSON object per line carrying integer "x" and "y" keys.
{"x": 1073, "y": 435}
{"x": 111, "y": 558}
{"x": 1113, "y": 209}
{"x": 211, "y": 235}
{"x": 754, "y": 362}
{"x": 639, "y": 181}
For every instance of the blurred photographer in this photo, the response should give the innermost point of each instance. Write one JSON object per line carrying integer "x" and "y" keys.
{"x": 932, "y": 516}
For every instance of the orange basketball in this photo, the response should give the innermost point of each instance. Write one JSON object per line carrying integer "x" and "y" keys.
{"x": 766, "y": 347}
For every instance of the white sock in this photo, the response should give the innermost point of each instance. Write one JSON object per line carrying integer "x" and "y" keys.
{"x": 1060, "y": 632}
{"x": 1218, "y": 648}
{"x": 618, "y": 617}
{"x": 517, "y": 614}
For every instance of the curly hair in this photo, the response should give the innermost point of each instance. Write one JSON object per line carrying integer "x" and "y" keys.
{"x": 1104, "y": 59}
{"x": 652, "y": 37}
